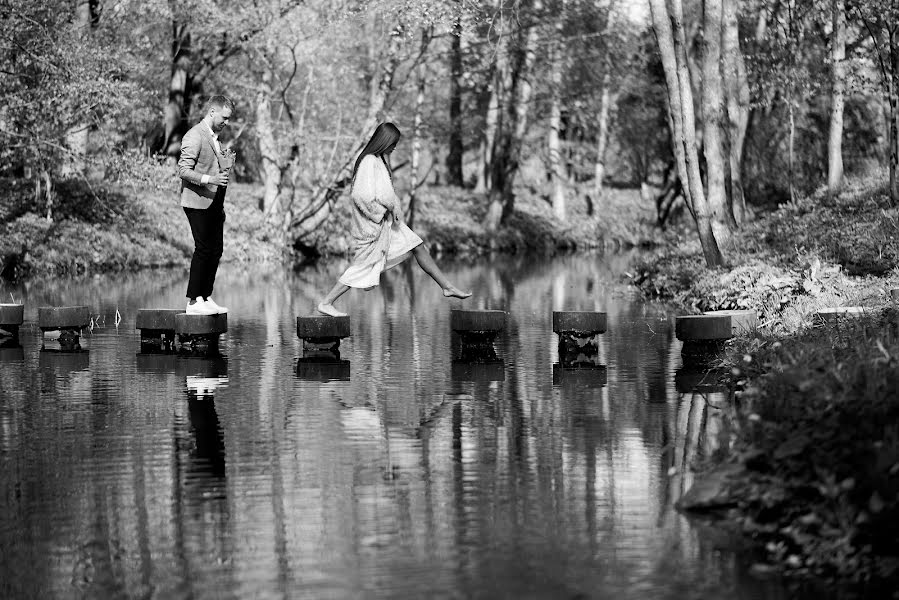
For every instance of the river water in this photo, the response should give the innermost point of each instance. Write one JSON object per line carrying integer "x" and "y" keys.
{"x": 396, "y": 473}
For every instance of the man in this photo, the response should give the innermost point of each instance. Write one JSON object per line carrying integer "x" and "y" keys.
{"x": 204, "y": 179}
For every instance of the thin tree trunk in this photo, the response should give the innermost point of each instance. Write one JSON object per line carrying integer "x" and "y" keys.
{"x": 268, "y": 145}
{"x": 893, "y": 89}
{"x": 672, "y": 46}
{"x": 456, "y": 150}
{"x": 77, "y": 133}
{"x": 511, "y": 133}
{"x": 665, "y": 40}
{"x": 501, "y": 82}
{"x": 180, "y": 84}
{"x": 713, "y": 116}
{"x": 736, "y": 88}
{"x": 554, "y": 146}
{"x": 603, "y": 123}
{"x": 416, "y": 142}
{"x": 791, "y": 160}
{"x": 838, "y": 87}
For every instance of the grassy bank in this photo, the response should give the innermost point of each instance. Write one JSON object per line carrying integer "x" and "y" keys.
{"x": 133, "y": 221}
{"x": 817, "y": 451}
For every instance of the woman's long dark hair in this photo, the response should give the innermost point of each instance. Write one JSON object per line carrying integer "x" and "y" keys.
{"x": 385, "y": 135}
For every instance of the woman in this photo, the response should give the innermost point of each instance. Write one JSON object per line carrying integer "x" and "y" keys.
{"x": 380, "y": 239}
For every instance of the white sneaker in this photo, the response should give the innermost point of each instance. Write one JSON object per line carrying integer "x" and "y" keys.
{"x": 211, "y": 304}
{"x": 199, "y": 307}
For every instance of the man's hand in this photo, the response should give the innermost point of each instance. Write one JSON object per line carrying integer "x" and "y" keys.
{"x": 220, "y": 179}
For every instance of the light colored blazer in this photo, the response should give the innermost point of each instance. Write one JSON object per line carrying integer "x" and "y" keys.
{"x": 198, "y": 158}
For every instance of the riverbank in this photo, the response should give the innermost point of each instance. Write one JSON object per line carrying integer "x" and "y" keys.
{"x": 814, "y": 473}
{"x": 114, "y": 226}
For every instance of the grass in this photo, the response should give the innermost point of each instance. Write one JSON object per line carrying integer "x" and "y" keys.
{"x": 819, "y": 431}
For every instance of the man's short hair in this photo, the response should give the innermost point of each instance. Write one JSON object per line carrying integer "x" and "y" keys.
{"x": 219, "y": 102}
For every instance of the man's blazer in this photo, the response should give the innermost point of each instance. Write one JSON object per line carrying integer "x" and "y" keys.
{"x": 198, "y": 158}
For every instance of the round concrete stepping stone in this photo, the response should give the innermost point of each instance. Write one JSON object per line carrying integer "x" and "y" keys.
{"x": 12, "y": 314}
{"x": 186, "y": 324}
{"x": 741, "y": 321}
{"x": 837, "y": 314}
{"x": 323, "y": 327}
{"x": 690, "y": 328}
{"x": 477, "y": 320}
{"x": 323, "y": 369}
{"x": 577, "y": 322}
{"x": 157, "y": 319}
{"x": 63, "y": 317}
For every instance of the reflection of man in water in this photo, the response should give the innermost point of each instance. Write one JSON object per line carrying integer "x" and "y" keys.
{"x": 208, "y": 456}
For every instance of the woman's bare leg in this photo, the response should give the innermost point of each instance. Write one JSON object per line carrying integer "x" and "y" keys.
{"x": 430, "y": 267}
{"x": 326, "y": 306}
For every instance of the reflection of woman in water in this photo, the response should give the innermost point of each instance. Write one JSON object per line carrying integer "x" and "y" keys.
{"x": 380, "y": 238}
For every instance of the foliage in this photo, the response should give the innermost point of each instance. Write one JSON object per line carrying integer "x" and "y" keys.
{"x": 820, "y": 441}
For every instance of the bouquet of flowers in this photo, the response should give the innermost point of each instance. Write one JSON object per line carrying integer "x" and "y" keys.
{"x": 227, "y": 159}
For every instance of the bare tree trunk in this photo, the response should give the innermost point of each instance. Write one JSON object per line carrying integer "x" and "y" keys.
{"x": 501, "y": 82}
{"x": 180, "y": 84}
{"x": 669, "y": 30}
{"x": 837, "y": 87}
{"x": 512, "y": 127}
{"x": 603, "y": 123}
{"x": 456, "y": 150}
{"x": 415, "y": 162}
{"x": 893, "y": 90}
{"x": 791, "y": 160}
{"x": 77, "y": 133}
{"x": 736, "y": 85}
{"x": 554, "y": 146}
{"x": 268, "y": 145}
{"x": 713, "y": 116}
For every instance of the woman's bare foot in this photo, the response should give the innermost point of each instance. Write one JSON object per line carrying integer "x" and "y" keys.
{"x": 328, "y": 309}
{"x": 454, "y": 292}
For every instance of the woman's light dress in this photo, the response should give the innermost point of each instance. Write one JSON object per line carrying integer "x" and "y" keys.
{"x": 380, "y": 241}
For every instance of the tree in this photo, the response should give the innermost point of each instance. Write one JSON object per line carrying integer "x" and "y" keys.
{"x": 736, "y": 90}
{"x": 456, "y": 149}
{"x": 837, "y": 101}
{"x": 668, "y": 26}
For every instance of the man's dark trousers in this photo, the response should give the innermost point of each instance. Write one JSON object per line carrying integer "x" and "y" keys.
{"x": 207, "y": 226}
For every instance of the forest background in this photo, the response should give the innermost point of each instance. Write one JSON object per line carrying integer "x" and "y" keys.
{"x": 544, "y": 123}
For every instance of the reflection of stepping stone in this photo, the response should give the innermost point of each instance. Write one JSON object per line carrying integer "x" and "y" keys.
{"x": 157, "y": 326}
{"x": 200, "y": 333}
{"x": 702, "y": 381}
{"x": 156, "y": 362}
{"x": 68, "y": 321}
{"x": 323, "y": 369}
{"x": 579, "y": 323}
{"x": 320, "y": 332}
{"x": 201, "y": 366}
{"x": 839, "y": 314}
{"x": 64, "y": 361}
{"x": 11, "y": 318}
{"x": 583, "y": 376}
{"x": 11, "y": 352}
{"x": 482, "y": 372}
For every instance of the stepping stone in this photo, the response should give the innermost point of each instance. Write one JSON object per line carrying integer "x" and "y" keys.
{"x": 741, "y": 321}
{"x": 594, "y": 376}
{"x": 477, "y": 321}
{"x": 321, "y": 332}
{"x": 68, "y": 321}
{"x": 200, "y": 333}
{"x": 11, "y": 318}
{"x": 695, "y": 328}
{"x": 702, "y": 381}
{"x": 481, "y": 372}
{"x": 323, "y": 369}
{"x": 838, "y": 314}
{"x": 476, "y": 330}
{"x": 157, "y": 326}
{"x": 579, "y": 323}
